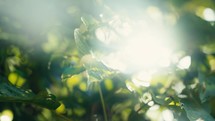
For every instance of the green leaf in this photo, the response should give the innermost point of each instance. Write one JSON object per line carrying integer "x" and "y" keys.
{"x": 208, "y": 87}
{"x": 84, "y": 35}
{"x": 10, "y": 93}
{"x": 195, "y": 111}
{"x": 46, "y": 100}
{"x": 68, "y": 72}
{"x": 82, "y": 42}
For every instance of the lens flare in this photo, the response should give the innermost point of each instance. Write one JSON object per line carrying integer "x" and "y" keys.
{"x": 146, "y": 47}
{"x": 142, "y": 45}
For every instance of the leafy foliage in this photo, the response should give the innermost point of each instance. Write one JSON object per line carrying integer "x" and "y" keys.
{"x": 10, "y": 93}
{"x": 195, "y": 112}
{"x": 38, "y": 51}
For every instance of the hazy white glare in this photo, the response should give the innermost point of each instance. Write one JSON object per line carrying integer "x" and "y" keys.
{"x": 178, "y": 87}
{"x": 105, "y": 35}
{"x": 143, "y": 78}
{"x": 33, "y": 15}
{"x": 141, "y": 47}
{"x": 167, "y": 115}
{"x": 154, "y": 114}
{"x": 209, "y": 14}
{"x": 5, "y": 118}
{"x": 151, "y": 103}
{"x": 200, "y": 119}
{"x": 154, "y": 13}
{"x": 146, "y": 47}
{"x": 157, "y": 113}
{"x": 185, "y": 62}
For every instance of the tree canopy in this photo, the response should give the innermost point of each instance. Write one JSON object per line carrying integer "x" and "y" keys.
{"x": 107, "y": 60}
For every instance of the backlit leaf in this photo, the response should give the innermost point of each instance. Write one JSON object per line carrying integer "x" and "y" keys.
{"x": 195, "y": 111}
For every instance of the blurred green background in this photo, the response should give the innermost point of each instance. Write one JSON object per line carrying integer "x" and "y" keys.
{"x": 52, "y": 67}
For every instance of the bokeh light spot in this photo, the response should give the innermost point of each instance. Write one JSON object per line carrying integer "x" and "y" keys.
{"x": 7, "y": 115}
{"x": 83, "y": 86}
{"x": 73, "y": 81}
{"x": 108, "y": 84}
{"x": 16, "y": 79}
{"x": 61, "y": 109}
{"x": 185, "y": 62}
{"x": 209, "y": 14}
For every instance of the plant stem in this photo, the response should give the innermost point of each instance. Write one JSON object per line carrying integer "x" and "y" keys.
{"x": 103, "y": 103}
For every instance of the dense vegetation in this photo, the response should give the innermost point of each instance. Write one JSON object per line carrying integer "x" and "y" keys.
{"x": 52, "y": 64}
